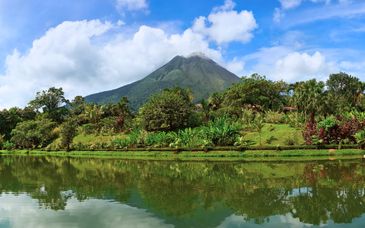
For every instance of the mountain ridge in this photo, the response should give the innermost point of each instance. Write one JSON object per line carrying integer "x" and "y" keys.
{"x": 197, "y": 72}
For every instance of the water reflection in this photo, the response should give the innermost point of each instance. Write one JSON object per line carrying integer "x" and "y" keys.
{"x": 65, "y": 192}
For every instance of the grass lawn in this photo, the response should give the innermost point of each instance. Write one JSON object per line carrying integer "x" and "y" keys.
{"x": 90, "y": 139}
{"x": 275, "y": 134}
{"x": 289, "y": 155}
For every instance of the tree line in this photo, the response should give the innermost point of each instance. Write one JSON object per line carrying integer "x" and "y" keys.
{"x": 327, "y": 112}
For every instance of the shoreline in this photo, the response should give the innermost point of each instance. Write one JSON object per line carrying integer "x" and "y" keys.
{"x": 249, "y": 155}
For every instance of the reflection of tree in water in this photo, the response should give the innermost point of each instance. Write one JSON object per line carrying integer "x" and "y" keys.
{"x": 312, "y": 192}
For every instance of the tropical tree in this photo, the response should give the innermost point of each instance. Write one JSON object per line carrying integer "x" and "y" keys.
{"x": 122, "y": 112}
{"x": 168, "y": 110}
{"x": 52, "y": 103}
{"x": 256, "y": 92}
{"x": 346, "y": 90}
{"x": 68, "y": 131}
{"x": 77, "y": 105}
{"x": 10, "y": 118}
{"x": 309, "y": 98}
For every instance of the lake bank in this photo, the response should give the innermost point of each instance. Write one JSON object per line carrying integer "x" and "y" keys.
{"x": 249, "y": 155}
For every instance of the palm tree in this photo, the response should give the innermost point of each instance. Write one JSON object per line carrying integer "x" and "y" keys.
{"x": 309, "y": 97}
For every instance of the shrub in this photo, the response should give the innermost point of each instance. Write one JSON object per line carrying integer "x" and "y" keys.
{"x": 360, "y": 138}
{"x": 309, "y": 131}
{"x": 34, "y": 133}
{"x": 108, "y": 125}
{"x": 88, "y": 129}
{"x": 360, "y": 116}
{"x": 248, "y": 116}
{"x": 295, "y": 119}
{"x": 188, "y": 138}
{"x": 8, "y": 145}
{"x": 274, "y": 117}
{"x": 168, "y": 110}
{"x": 121, "y": 143}
{"x": 68, "y": 132}
{"x": 222, "y": 131}
{"x": 349, "y": 128}
{"x": 160, "y": 139}
{"x": 291, "y": 140}
{"x": 258, "y": 125}
{"x": 328, "y": 123}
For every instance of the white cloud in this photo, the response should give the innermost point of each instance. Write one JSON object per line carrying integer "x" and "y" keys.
{"x": 131, "y": 5}
{"x": 225, "y": 25}
{"x": 278, "y": 15}
{"x": 286, "y": 63}
{"x": 103, "y": 214}
{"x": 85, "y": 57}
{"x": 329, "y": 9}
{"x": 236, "y": 66}
{"x": 300, "y": 66}
{"x": 289, "y": 4}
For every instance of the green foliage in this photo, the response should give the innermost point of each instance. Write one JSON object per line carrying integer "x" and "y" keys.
{"x": 328, "y": 123}
{"x": 258, "y": 125}
{"x": 106, "y": 126}
{"x": 68, "y": 131}
{"x": 291, "y": 140}
{"x": 88, "y": 129}
{"x": 309, "y": 97}
{"x": 256, "y": 92}
{"x": 160, "y": 139}
{"x": 168, "y": 110}
{"x": 360, "y": 116}
{"x": 222, "y": 131}
{"x": 10, "y": 118}
{"x": 271, "y": 139}
{"x": 7, "y": 145}
{"x": 248, "y": 116}
{"x": 34, "y": 133}
{"x": 295, "y": 119}
{"x": 188, "y": 137}
{"x": 50, "y": 102}
{"x": 360, "y": 138}
{"x": 346, "y": 90}
{"x": 274, "y": 117}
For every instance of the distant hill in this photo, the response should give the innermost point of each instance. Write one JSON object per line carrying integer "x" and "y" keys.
{"x": 197, "y": 72}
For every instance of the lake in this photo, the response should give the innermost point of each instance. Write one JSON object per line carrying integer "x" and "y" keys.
{"x": 81, "y": 192}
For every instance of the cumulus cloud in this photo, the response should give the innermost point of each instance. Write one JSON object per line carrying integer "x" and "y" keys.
{"x": 224, "y": 24}
{"x": 284, "y": 63}
{"x": 85, "y": 57}
{"x": 131, "y": 5}
{"x": 300, "y": 66}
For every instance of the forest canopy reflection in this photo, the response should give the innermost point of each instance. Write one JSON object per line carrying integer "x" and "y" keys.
{"x": 188, "y": 193}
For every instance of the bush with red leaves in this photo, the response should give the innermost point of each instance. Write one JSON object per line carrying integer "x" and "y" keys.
{"x": 328, "y": 132}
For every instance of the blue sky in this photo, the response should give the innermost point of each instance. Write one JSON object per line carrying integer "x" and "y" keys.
{"x": 87, "y": 46}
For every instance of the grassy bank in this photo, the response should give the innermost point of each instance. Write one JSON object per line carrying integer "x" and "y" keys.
{"x": 249, "y": 155}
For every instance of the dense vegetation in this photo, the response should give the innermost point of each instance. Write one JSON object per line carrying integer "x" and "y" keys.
{"x": 253, "y": 112}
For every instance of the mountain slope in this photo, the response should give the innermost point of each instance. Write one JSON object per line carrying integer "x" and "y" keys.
{"x": 202, "y": 75}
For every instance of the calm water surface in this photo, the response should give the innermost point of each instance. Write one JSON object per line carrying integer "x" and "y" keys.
{"x": 69, "y": 192}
